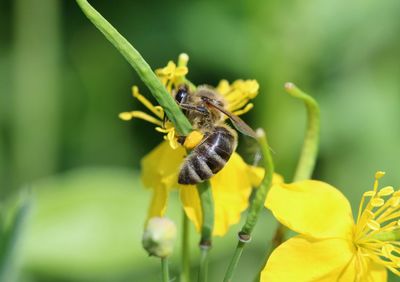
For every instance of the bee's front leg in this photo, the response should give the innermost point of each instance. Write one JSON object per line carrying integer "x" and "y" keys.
{"x": 181, "y": 139}
{"x": 200, "y": 109}
{"x": 165, "y": 119}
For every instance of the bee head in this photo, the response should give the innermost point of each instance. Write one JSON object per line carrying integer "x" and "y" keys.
{"x": 181, "y": 94}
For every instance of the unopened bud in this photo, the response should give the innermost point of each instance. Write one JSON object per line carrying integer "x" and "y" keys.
{"x": 159, "y": 237}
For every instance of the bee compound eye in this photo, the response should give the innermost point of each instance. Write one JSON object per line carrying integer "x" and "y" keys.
{"x": 181, "y": 95}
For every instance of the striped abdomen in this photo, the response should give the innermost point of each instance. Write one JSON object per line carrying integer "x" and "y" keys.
{"x": 208, "y": 157}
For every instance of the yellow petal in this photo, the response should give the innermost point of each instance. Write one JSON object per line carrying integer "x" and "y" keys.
{"x": 223, "y": 87}
{"x": 158, "y": 203}
{"x": 256, "y": 175}
{"x": 191, "y": 204}
{"x": 312, "y": 208}
{"x": 161, "y": 166}
{"x": 231, "y": 188}
{"x": 181, "y": 71}
{"x": 375, "y": 273}
{"x": 167, "y": 70}
{"x": 305, "y": 259}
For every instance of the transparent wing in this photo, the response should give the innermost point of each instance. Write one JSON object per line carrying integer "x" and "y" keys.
{"x": 239, "y": 124}
{"x": 250, "y": 151}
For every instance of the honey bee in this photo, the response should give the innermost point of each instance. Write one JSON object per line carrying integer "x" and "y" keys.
{"x": 205, "y": 109}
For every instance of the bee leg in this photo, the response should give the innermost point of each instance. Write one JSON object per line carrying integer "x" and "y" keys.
{"x": 200, "y": 109}
{"x": 165, "y": 119}
{"x": 181, "y": 139}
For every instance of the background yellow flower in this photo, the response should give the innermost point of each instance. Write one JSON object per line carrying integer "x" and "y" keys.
{"x": 330, "y": 246}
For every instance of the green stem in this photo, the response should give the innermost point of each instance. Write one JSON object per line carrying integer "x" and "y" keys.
{"x": 234, "y": 261}
{"x": 185, "y": 251}
{"x": 207, "y": 208}
{"x": 308, "y": 156}
{"x": 256, "y": 205}
{"x": 164, "y": 269}
{"x": 141, "y": 67}
{"x": 203, "y": 271}
{"x": 309, "y": 151}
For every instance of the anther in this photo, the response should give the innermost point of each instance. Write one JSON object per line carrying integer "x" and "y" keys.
{"x": 374, "y": 225}
{"x": 386, "y": 191}
{"x": 369, "y": 194}
{"x": 379, "y": 174}
{"x": 377, "y": 202}
{"x": 183, "y": 59}
{"x": 135, "y": 91}
{"x": 125, "y": 116}
{"x": 395, "y": 201}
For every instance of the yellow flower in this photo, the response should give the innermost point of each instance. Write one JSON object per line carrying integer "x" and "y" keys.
{"x": 163, "y": 127}
{"x": 231, "y": 187}
{"x": 330, "y": 246}
{"x": 172, "y": 75}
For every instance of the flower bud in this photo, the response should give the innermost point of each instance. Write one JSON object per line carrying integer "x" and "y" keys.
{"x": 159, "y": 237}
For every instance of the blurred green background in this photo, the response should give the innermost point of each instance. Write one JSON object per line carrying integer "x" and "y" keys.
{"x": 62, "y": 86}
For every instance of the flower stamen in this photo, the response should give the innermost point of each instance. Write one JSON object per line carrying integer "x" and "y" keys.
{"x": 379, "y": 217}
{"x": 157, "y": 110}
{"x": 247, "y": 108}
{"x": 140, "y": 115}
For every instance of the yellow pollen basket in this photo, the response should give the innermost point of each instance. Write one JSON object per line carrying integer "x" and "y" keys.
{"x": 193, "y": 139}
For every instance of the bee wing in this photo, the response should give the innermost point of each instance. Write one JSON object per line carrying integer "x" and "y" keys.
{"x": 250, "y": 151}
{"x": 239, "y": 124}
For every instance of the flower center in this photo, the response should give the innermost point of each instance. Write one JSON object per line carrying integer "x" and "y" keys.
{"x": 378, "y": 226}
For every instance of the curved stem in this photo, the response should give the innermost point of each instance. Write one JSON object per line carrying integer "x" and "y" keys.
{"x": 207, "y": 208}
{"x": 309, "y": 151}
{"x": 308, "y": 156}
{"x": 255, "y": 207}
{"x": 141, "y": 67}
{"x": 185, "y": 251}
{"x": 165, "y": 270}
